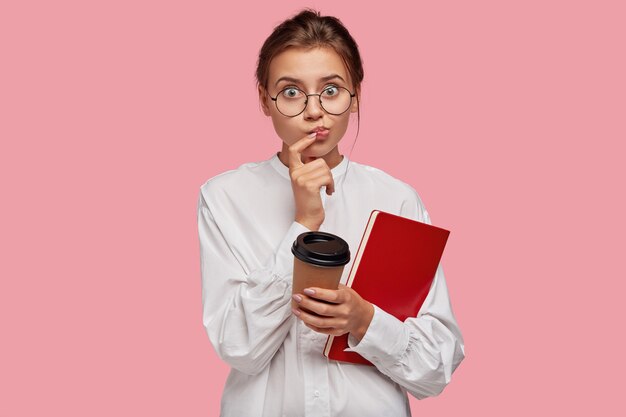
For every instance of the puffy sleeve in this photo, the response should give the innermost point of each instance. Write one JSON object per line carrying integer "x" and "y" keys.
{"x": 246, "y": 311}
{"x": 421, "y": 353}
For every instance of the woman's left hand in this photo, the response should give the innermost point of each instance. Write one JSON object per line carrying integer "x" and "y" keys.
{"x": 342, "y": 311}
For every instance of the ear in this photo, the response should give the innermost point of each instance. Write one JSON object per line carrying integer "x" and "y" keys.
{"x": 264, "y": 100}
{"x": 354, "y": 107}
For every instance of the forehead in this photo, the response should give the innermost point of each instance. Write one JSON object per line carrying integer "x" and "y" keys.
{"x": 308, "y": 65}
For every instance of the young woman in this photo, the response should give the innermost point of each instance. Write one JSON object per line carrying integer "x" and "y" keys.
{"x": 309, "y": 76}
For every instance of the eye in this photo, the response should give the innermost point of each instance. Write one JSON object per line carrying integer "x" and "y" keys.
{"x": 330, "y": 91}
{"x": 291, "y": 92}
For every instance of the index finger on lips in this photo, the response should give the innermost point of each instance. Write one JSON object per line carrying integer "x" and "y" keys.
{"x": 295, "y": 151}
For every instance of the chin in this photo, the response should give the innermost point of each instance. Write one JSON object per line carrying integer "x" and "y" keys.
{"x": 317, "y": 154}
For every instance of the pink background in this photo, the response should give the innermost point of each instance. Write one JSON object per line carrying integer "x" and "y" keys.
{"x": 508, "y": 118}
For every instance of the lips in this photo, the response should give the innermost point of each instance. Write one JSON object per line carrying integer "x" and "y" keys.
{"x": 319, "y": 129}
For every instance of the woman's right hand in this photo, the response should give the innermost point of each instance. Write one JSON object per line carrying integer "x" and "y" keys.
{"x": 306, "y": 181}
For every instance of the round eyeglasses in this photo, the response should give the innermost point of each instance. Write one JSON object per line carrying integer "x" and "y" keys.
{"x": 291, "y": 101}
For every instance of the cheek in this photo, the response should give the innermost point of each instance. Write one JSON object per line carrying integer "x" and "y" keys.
{"x": 340, "y": 126}
{"x": 285, "y": 128}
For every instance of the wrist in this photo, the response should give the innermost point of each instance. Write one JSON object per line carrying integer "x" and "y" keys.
{"x": 309, "y": 224}
{"x": 367, "y": 317}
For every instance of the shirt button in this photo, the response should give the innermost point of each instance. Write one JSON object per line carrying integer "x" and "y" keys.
{"x": 316, "y": 393}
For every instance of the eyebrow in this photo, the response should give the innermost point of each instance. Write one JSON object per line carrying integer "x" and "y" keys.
{"x": 295, "y": 80}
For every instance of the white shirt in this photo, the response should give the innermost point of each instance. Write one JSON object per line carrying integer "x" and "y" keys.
{"x": 246, "y": 229}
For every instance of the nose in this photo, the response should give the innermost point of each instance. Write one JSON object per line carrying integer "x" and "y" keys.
{"x": 313, "y": 110}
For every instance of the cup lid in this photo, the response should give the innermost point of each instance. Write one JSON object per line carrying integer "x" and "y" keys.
{"x": 321, "y": 249}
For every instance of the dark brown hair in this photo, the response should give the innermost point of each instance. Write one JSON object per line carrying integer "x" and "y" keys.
{"x": 308, "y": 29}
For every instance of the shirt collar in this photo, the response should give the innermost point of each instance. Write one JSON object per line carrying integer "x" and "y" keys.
{"x": 337, "y": 171}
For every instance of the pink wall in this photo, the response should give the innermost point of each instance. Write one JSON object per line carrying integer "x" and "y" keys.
{"x": 508, "y": 119}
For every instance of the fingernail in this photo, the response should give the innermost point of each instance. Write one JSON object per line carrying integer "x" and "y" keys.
{"x": 309, "y": 291}
{"x": 297, "y": 297}
{"x": 296, "y": 312}
{"x": 312, "y": 135}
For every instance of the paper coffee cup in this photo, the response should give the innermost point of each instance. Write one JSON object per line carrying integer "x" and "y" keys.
{"x": 319, "y": 259}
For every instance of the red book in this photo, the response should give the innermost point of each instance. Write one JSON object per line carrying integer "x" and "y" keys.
{"x": 393, "y": 268}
